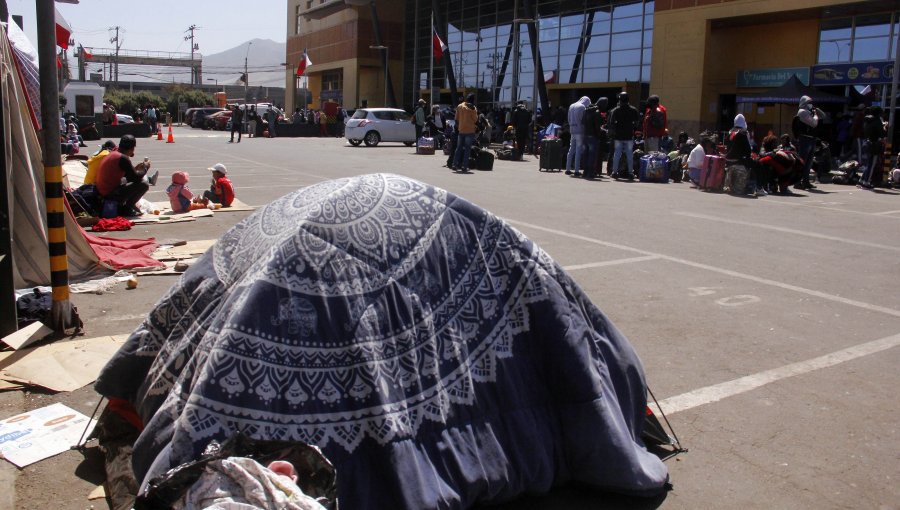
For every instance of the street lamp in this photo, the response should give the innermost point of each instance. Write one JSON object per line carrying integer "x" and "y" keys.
{"x": 246, "y": 75}
{"x": 387, "y": 57}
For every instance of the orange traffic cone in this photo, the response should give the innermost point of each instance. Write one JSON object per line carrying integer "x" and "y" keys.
{"x": 171, "y": 138}
{"x": 159, "y": 132}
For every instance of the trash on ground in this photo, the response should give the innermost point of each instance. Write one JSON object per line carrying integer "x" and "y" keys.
{"x": 41, "y": 433}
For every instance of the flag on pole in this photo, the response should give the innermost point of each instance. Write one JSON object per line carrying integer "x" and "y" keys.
{"x": 87, "y": 55}
{"x": 304, "y": 63}
{"x": 437, "y": 44}
{"x": 63, "y": 31}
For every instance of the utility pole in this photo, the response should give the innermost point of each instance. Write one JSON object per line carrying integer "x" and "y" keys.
{"x": 246, "y": 76}
{"x": 62, "y": 315}
{"x": 118, "y": 45}
{"x": 195, "y": 79}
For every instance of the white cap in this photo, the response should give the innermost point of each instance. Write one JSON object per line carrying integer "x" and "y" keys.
{"x": 218, "y": 167}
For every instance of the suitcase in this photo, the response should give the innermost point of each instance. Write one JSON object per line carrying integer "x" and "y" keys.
{"x": 654, "y": 168}
{"x": 425, "y": 145}
{"x": 737, "y": 179}
{"x": 484, "y": 160}
{"x": 712, "y": 175}
{"x": 551, "y": 155}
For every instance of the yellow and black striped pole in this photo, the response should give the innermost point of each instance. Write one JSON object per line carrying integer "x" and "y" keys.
{"x": 62, "y": 315}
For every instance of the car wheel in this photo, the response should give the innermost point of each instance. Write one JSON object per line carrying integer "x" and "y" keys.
{"x": 354, "y": 143}
{"x": 409, "y": 144}
{"x": 372, "y": 138}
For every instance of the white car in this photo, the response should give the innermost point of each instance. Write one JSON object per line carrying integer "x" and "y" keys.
{"x": 124, "y": 119}
{"x": 375, "y": 125}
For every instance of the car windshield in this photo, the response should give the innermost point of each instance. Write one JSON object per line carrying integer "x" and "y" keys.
{"x": 360, "y": 114}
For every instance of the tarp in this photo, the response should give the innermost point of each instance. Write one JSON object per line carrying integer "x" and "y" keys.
{"x": 25, "y": 184}
{"x": 790, "y": 93}
{"x": 437, "y": 356}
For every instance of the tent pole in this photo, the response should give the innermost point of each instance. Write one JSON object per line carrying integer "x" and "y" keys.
{"x": 892, "y": 116}
{"x": 62, "y": 314}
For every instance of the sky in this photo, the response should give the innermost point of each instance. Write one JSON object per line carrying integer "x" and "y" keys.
{"x": 148, "y": 24}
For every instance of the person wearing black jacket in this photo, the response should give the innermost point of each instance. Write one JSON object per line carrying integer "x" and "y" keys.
{"x": 623, "y": 122}
{"x": 873, "y": 132}
{"x": 521, "y": 122}
{"x": 595, "y": 137}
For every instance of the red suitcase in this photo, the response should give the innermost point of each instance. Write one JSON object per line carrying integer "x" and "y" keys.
{"x": 712, "y": 175}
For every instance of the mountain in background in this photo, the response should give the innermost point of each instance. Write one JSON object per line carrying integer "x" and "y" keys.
{"x": 263, "y": 63}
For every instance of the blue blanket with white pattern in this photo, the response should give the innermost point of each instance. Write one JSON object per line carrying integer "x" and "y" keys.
{"x": 437, "y": 356}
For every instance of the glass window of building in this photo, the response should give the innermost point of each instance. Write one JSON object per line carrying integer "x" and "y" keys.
{"x": 858, "y": 39}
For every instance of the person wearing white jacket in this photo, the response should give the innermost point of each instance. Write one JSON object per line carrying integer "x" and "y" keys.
{"x": 576, "y": 129}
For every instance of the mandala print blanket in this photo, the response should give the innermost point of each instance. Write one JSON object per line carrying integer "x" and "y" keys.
{"x": 437, "y": 356}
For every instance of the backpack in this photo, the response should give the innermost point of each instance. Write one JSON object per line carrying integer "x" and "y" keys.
{"x": 656, "y": 119}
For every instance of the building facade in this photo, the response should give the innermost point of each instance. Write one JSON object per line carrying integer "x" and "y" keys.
{"x": 699, "y": 56}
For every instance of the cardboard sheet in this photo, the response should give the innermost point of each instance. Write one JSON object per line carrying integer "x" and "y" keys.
{"x": 189, "y": 250}
{"x": 27, "y": 335}
{"x": 61, "y": 366}
{"x": 236, "y": 205}
{"x": 42, "y": 433}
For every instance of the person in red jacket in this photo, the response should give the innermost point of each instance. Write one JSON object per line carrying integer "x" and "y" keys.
{"x": 221, "y": 191}
{"x": 655, "y": 124}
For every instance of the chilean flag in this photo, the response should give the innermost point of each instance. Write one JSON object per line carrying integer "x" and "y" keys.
{"x": 304, "y": 63}
{"x": 437, "y": 44}
{"x": 86, "y": 54}
{"x": 63, "y": 31}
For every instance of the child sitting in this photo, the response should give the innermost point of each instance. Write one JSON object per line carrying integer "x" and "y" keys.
{"x": 180, "y": 195}
{"x": 221, "y": 191}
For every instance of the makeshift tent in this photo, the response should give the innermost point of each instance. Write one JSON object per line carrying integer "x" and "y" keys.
{"x": 437, "y": 356}
{"x": 790, "y": 93}
{"x": 25, "y": 183}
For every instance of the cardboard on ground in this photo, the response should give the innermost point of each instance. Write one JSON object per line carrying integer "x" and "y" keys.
{"x": 27, "y": 335}
{"x": 42, "y": 433}
{"x": 61, "y": 366}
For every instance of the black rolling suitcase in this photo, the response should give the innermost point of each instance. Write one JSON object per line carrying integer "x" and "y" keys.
{"x": 551, "y": 155}
{"x": 484, "y": 160}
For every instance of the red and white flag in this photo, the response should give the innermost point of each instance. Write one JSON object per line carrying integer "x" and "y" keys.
{"x": 437, "y": 44}
{"x": 304, "y": 63}
{"x": 63, "y": 31}
{"x": 87, "y": 55}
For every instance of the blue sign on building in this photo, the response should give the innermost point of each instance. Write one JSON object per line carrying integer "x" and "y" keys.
{"x": 774, "y": 77}
{"x": 864, "y": 73}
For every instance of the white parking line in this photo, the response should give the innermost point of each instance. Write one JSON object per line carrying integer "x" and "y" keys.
{"x": 606, "y": 263}
{"x": 720, "y": 391}
{"x": 788, "y": 231}
{"x": 765, "y": 281}
{"x": 885, "y": 213}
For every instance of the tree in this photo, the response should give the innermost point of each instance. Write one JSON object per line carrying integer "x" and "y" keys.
{"x": 183, "y": 94}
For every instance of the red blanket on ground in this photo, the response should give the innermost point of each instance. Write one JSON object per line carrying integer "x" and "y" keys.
{"x": 124, "y": 253}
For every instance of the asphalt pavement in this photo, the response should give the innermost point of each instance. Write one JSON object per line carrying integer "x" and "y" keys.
{"x": 769, "y": 328}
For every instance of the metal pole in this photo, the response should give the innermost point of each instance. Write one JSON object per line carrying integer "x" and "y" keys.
{"x": 514, "y": 95}
{"x": 387, "y": 62}
{"x": 431, "y": 66}
{"x": 895, "y": 80}
{"x": 62, "y": 315}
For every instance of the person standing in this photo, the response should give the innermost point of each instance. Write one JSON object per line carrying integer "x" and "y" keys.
{"x": 873, "y": 133}
{"x": 655, "y": 124}
{"x": 804, "y": 125}
{"x": 152, "y": 116}
{"x": 521, "y": 121}
{"x": 251, "y": 122}
{"x": 466, "y": 117}
{"x": 576, "y": 130}
{"x": 419, "y": 119}
{"x": 237, "y": 122}
{"x": 623, "y": 121}
{"x": 272, "y": 119}
{"x": 595, "y": 137}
